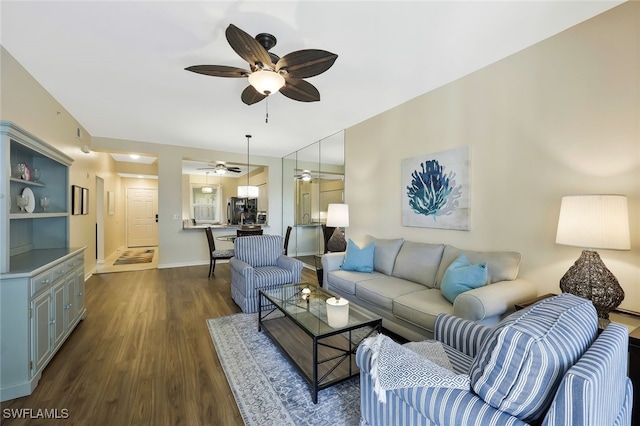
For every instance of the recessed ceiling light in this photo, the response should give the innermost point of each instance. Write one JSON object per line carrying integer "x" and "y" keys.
{"x": 134, "y": 156}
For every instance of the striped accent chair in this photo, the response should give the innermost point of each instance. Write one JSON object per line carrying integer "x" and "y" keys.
{"x": 259, "y": 264}
{"x": 542, "y": 365}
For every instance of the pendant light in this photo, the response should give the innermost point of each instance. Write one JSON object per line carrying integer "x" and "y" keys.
{"x": 248, "y": 191}
{"x": 207, "y": 189}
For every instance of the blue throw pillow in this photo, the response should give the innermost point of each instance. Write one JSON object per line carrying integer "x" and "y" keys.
{"x": 461, "y": 276}
{"x": 358, "y": 259}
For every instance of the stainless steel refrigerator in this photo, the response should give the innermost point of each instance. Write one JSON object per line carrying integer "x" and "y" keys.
{"x": 239, "y": 208}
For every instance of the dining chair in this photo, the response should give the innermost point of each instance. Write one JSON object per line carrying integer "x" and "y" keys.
{"x": 215, "y": 254}
{"x": 287, "y": 235}
{"x": 248, "y": 232}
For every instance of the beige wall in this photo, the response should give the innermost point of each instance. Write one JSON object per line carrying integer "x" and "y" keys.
{"x": 561, "y": 117}
{"x": 24, "y": 102}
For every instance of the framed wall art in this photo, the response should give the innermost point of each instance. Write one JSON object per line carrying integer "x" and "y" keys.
{"x": 76, "y": 199}
{"x": 435, "y": 190}
{"x": 85, "y": 201}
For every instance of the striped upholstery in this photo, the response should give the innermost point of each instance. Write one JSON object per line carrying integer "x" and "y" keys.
{"x": 593, "y": 385}
{"x": 464, "y": 335}
{"x": 594, "y": 391}
{"x": 424, "y": 405}
{"x": 259, "y": 250}
{"x": 523, "y": 359}
{"x": 260, "y": 265}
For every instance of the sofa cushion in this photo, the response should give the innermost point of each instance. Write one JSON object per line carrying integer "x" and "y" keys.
{"x": 381, "y": 292}
{"x": 358, "y": 259}
{"x": 421, "y": 308}
{"x": 501, "y": 265}
{"x": 523, "y": 359}
{"x": 418, "y": 262}
{"x": 385, "y": 253}
{"x": 346, "y": 281}
{"x": 462, "y": 276}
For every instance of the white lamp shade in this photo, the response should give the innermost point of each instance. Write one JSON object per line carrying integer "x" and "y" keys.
{"x": 248, "y": 191}
{"x": 206, "y": 190}
{"x": 338, "y": 215}
{"x": 594, "y": 221}
{"x": 266, "y": 82}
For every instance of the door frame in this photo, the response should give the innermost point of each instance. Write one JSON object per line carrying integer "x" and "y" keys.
{"x": 99, "y": 220}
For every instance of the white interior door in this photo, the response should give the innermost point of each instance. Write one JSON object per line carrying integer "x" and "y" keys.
{"x": 142, "y": 225}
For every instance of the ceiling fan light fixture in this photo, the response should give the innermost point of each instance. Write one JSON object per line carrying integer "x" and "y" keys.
{"x": 306, "y": 176}
{"x": 266, "y": 81}
{"x": 220, "y": 169}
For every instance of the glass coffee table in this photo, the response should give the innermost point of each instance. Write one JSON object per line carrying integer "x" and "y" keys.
{"x": 295, "y": 318}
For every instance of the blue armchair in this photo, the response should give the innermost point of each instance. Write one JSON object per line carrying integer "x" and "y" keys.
{"x": 259, "y": 264}
{"x": 542, "y": 365}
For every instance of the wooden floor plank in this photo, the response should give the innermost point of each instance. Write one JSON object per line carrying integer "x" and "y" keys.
{"x": 143, "y": 355}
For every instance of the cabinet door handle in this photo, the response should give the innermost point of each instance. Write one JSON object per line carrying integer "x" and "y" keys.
{"x": 60, "y": 272}
{"x": 45, "y": 281}
{"x": 80, "y": 294}
{"x": 52, "y": 322}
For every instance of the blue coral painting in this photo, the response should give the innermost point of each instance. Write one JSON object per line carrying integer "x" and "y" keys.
{"x": 436, "y": 190}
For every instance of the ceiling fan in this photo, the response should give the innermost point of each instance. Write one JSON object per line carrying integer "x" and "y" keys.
{"x": 268, "y": 72}
{"x": 304, "y": 176}
{"x": 221, "y": 168}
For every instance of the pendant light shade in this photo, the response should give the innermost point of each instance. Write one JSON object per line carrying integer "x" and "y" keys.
{"x": 207, "y": 189}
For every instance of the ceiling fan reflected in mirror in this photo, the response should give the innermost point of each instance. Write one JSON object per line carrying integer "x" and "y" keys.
{"x": 221, "y": 168}
{"x": 304, "y": 176}
{"x": 268, "y": 72}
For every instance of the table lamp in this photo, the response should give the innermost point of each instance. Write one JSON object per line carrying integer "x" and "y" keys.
{"x": 337, "y": 217}
{"x": 594, "y": 222}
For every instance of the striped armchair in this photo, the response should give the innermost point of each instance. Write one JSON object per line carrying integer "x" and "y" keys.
{"x": 543, "y": 365}
{"x": 260, "y": 264}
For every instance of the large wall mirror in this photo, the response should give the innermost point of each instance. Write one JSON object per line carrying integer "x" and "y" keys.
{"x": 210, "y": 193}
{"x": 312, "y": 178}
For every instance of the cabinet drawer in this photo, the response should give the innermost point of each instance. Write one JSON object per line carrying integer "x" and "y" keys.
{"x": 75, "y": 261}
{"x": 41, "y": 282}
{"x": 57, "y": 272}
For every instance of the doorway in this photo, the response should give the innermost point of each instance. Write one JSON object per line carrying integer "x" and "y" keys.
{"x": 142, "y": 217}
{"x": 99, "y": 220}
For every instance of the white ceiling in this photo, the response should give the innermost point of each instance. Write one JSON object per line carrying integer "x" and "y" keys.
{"x": 118, "y": 67}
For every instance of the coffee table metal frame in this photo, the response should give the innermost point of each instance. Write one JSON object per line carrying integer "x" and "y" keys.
{"x": 288, "y": 300}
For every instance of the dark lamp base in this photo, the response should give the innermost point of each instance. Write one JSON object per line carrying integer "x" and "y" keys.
{"x": 590, "y": 279}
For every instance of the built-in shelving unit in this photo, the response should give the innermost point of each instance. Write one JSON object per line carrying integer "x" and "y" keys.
{"x": 41, "y": 277}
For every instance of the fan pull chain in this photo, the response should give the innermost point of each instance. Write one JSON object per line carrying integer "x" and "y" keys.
{"x": 266, "y": 118}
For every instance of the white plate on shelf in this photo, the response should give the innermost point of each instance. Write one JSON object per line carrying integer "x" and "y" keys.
{"x": 32, "y": 200}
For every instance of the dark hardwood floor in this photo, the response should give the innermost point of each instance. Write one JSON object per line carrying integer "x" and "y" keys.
{"x": 143, "y": 355}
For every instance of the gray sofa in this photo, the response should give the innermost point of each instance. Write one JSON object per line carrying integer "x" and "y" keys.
{"x": 404, "y": 288}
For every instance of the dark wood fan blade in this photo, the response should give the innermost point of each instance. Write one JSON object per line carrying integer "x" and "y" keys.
{"x": 219, "y": 71}
{"x": 234, "y": 169}
{"x": 300, "y": 90}
{"x": 247, "y": 47}
{"x": 306, "y": 63}
{"x": 250, "y": 96}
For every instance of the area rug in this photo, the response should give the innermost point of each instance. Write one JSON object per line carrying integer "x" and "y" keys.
{"x": 270, "y": 391}
{"x": 130, "y": 257}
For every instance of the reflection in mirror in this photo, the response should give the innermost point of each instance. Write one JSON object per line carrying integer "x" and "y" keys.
{"x": 313, "y": 177}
